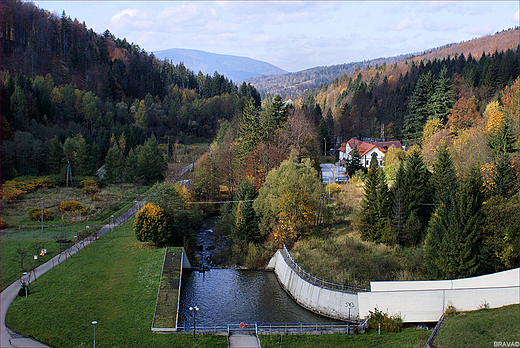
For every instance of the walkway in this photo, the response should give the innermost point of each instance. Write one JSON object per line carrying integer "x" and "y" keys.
{"x": 8, "y": 338}
{"x": 243, "y": 341}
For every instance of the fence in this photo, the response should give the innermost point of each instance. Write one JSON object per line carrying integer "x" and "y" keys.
{"x": 317, "y": 280}
{"x": 271, "y": 328}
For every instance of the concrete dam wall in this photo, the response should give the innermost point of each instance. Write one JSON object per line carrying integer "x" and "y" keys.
{"x": 414, "y": 301}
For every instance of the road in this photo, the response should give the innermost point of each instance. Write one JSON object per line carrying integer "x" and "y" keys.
{"x": 332, "y": 172}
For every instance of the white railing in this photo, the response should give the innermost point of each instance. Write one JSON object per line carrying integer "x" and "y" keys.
{"x": 311, "y": 278}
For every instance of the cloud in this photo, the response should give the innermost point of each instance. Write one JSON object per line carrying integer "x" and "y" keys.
{"x": 132, "y": 18}
{"x": 408, "y": 23}
{"x": 516, "y": 17}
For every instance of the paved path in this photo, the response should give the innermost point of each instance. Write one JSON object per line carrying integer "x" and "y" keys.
{"x": 243, "y": 341}
{"x": 8, "y": 338}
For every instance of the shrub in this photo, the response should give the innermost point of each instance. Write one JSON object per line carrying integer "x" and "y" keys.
{"x": 3, "y": 224}
{"x": 90, "y": 190}
{"x": 151, "y": 225}
{"x": 387, "y": 323}
{"x": 36, "y": 214}
{"x": 88, "y": 182}
{"x": 12, "y": 193}
{"x": 12, "y": 190}
{"x": 69, "y": 206}
{"x": 450, "y": 311}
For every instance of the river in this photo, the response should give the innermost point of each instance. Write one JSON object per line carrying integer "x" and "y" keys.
{"x": 226, "y": 296}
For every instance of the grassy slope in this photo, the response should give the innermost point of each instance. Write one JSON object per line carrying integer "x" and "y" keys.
{"x": 113, "y": 281}
{"x": 480, "y": 328}
{"x": 408, "y": 337}
{"x": 24, "y": 233}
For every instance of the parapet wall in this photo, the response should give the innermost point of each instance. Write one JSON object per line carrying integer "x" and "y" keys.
{"x": 414, "y": 301}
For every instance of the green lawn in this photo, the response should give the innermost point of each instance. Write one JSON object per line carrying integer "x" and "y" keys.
{"x": 408, "y": 337}
{"x": 481, "y": 328}
{"x": 113, "y": 281}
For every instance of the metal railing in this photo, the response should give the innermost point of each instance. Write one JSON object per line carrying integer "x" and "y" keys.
{"x": 311, "y": 278}
{"x": 271, "y": 328}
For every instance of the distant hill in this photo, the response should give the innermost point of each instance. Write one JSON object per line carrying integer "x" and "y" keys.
{"x": 233, "y": 67}
{"x": 293, "y": 84}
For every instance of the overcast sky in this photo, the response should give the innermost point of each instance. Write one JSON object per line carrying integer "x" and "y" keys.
{"x": 290, "y": 34}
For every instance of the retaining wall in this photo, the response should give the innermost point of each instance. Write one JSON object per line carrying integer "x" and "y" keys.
{"x": 414, "y": 301}
{"x": 425, "y": 301}
{"x": 326, "y": 302}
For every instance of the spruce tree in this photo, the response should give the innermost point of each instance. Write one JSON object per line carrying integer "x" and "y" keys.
{"x": 417, "y": 196}
{"x": 419, "y": 107}
{"x": 443, "y": 97}
{"x": 375, "y": 206}
{"x": 505, "y": 177}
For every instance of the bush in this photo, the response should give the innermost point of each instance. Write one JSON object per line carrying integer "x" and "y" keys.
{"x": 151, "y": 225}
{"x": 36, "y": 214}
{"x": 90, "y": 190}
{"x": 387, "y": 323}
{"x": 3, "y": 224}
{"x": 12, "y": 190}
{"x": 69, "y": 206}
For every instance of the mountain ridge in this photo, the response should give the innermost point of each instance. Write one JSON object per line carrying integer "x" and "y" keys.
{"x": 237, "y": 68}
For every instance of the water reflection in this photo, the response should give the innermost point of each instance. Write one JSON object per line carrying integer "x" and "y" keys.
{"x": 232, "y": 296}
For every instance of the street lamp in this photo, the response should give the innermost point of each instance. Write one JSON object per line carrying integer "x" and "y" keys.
{"x": 25, "y": 282}
{"x": 195, "y": 310}
{"x": 112, "y": 224}
{"x": 325, "y": 149}
{"x": 349, "y": 305}
{"x": 94, "y": 323}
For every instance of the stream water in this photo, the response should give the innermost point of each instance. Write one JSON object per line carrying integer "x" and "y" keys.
{"x": 226, "y": 296}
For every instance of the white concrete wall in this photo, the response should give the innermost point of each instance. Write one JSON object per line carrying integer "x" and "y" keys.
{"x": 414, "y": 301}
{"x": 423, "y": 301}
{"x": 319, "y": 300}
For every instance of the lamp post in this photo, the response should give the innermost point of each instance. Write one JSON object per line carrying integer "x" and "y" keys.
{"x": 195, "y": 310}
{"x": 94, "y": 323}
{"x": 349, "y": 305}
{"x": 112, "y": 225}
{"x": 325, "y": 148}
{"x": 25, "y": 282}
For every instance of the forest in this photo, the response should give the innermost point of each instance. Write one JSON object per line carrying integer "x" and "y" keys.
{"x": 72, "y": 98}
{"x": 63, "y": 81}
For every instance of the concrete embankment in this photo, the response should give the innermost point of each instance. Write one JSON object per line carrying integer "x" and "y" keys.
{"x": 318, "y": 299}
{"x": 414, "y": 301}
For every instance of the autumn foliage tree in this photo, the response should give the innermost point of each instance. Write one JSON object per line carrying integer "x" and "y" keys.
{"x": 288, "y": 201}
{"x": 151, "y": 225}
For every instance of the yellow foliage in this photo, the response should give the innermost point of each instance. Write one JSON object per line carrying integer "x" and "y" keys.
{"x": 494, "y": 120}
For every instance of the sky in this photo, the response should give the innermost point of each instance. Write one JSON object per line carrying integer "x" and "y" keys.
{"x": 294, "y": 35}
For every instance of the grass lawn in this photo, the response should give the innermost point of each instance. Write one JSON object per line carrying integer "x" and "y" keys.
{"x": 113, "y": 281}
{"x": 408, "y": 337}
{"x": 22, "y": 233}
{"x": 481, "y": 328}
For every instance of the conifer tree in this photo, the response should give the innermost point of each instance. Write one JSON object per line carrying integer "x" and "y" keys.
{"x": 453, "y": 247}
{"x": 375, "y": 206}
{"x": 419, "y": 107}
{"x": 443, "y": 97}
{"x": 505, "y": 177}
{"x": 246, "y": 221}
{"x": 417, "y": 196}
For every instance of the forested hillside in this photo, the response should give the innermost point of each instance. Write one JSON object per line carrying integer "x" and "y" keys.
{"x": 63, "y": 81}
{"x": 388, "y": 101}
{"x": 293, "y": 84}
